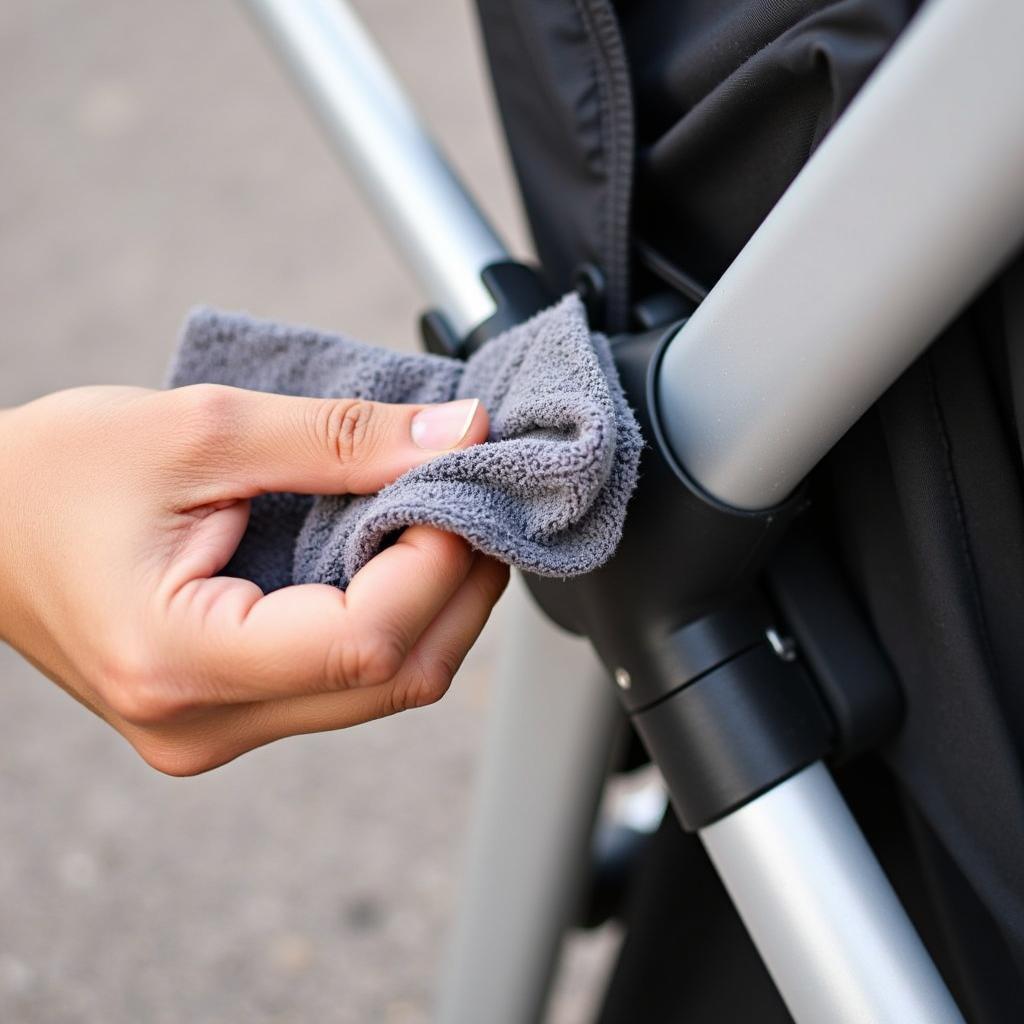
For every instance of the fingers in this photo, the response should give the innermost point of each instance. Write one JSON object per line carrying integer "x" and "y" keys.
{"x": 399, "y": 593}
{"x": 264, "y": 442}
{"x": 422, "y": 679}
{"x": 234, "y": 644}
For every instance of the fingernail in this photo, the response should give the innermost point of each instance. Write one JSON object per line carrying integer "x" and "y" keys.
{"x": 439, "y": 428}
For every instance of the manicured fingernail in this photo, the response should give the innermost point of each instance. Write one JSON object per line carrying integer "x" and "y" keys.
{"x": 439, "y": 428}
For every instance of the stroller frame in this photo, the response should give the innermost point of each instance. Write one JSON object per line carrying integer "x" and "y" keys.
{"x": 840, "y": 289}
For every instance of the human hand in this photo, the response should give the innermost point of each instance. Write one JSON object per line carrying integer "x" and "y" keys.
{"x": 119, "y": 507}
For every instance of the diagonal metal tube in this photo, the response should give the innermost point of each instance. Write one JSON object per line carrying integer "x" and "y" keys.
{"x": 429, "y": 215}
{"x": 912, "y": 202}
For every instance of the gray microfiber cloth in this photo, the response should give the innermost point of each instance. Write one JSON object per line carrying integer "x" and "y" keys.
{"x": 547, "y": 492}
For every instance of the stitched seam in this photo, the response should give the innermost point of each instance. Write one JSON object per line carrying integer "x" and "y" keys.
{"x": 961, "y": 523}
{"x": 607, "y": 159}
{"x": 616, "y": 123}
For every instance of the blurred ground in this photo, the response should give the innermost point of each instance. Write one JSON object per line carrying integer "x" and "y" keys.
{"x": 153, "y": 158}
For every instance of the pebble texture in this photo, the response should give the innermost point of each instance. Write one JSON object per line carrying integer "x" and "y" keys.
{"x": 547, "y": 492}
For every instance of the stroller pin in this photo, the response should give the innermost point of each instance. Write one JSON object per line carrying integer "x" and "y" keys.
{"x": 783, "y": 646}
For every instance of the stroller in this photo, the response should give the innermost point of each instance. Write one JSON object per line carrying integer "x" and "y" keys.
{"x": 799, "y": 223}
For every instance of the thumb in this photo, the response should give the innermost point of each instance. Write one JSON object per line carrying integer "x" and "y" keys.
{"x": 336, "y": 445}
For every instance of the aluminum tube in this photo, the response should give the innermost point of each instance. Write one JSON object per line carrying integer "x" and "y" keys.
{"x": 821, "y": 912}
{"x": 911, "y": 203}
{"x": 545, "y": 758}
{"x": 431, "y": 218}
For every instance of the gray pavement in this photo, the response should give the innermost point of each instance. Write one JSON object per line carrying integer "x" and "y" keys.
{"x": 153, "y": 158}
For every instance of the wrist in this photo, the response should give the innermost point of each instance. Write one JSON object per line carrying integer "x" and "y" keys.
{"x": 10, "y": 485}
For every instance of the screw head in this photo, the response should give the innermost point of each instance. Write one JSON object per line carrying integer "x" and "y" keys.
{"x": 783, "y": 646}
{"x": 623, "y": 679}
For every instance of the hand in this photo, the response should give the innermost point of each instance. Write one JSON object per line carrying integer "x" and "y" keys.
{"x": 119, "y": 506}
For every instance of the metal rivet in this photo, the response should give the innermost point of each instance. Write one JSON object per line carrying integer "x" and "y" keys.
{"x": 783, "y": 646}
{"x": 622, "y": 679}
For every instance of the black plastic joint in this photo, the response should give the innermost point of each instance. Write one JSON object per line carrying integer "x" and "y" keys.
{"x": 518, "y": 294}
{"x": 836, "y": 643}
{"x": 684, "y": 655}
{"x": 734, "y": 733}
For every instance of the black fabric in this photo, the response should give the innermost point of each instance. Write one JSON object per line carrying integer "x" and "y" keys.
{"x": 564, "y": 93}
{"x": 924, "y": 498}
{"x": 720, "y": 106}
{"x": 930, "y": 509}
{"x": 731, "y": 99}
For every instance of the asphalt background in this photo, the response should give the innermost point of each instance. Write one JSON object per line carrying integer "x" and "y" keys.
{"x": 152, "y": 157}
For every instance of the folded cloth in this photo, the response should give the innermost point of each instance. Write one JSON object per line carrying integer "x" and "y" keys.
{"x": 547, "y": 492}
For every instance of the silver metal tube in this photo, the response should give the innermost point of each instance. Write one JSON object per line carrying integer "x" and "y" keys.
{"x": 910, "y": 204}
{"x": 545, "y": 759}
{"x": 431, "y": 218}
{"x": 821, "y": 912}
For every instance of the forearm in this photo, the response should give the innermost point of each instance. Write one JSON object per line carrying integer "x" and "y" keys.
{"x": 9, "y": 486}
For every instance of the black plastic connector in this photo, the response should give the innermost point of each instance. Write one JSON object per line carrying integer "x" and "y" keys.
{"x": 836, "y": 643}
{"x": 682, "y": 553}
{"x": 518, "y": 294}
{"x": 676, "y": 614}
{"x": 734, "y": 733}
{"x": 676, "y": 618}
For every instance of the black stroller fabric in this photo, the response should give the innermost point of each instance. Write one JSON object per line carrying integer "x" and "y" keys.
{"x": 650, "y": 138}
